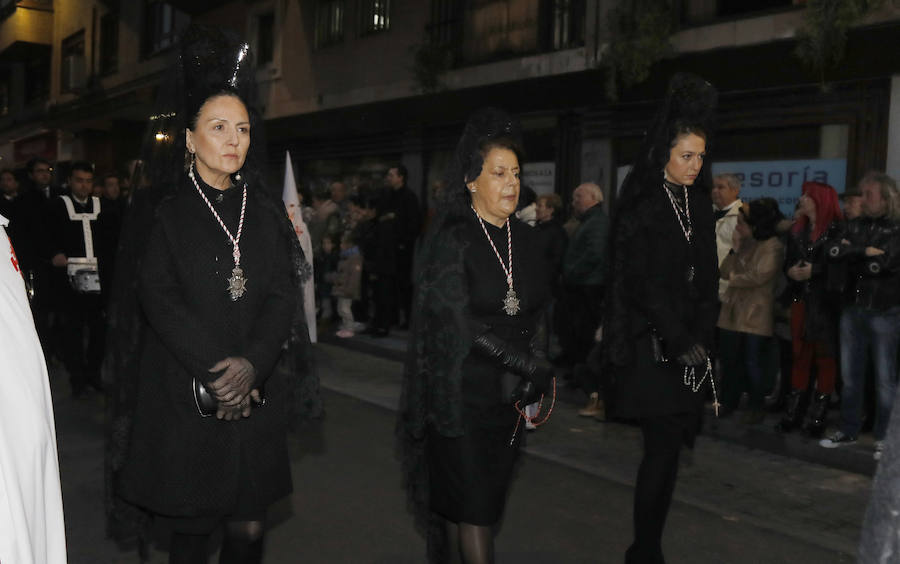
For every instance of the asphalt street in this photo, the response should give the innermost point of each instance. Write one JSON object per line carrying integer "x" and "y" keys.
{"x": 570, "y": 501}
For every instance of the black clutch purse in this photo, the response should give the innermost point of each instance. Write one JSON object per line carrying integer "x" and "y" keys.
{"x": 205, "y": 402}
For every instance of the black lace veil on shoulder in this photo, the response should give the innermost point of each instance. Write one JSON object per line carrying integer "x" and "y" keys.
{"x": 207, "y": 61}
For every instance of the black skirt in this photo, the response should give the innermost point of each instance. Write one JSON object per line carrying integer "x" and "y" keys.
{"x": 470, "y": 475}
{"x": 247, "y": 507}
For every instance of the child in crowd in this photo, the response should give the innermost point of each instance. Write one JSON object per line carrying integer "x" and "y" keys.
{"x": 346, "y": 283}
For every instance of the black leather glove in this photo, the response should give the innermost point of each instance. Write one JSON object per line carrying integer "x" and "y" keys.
{"x": 533, "y": 369}
{"x": 526, "y": 393}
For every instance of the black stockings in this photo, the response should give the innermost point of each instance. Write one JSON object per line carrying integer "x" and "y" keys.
{"x": 242, "y": 544}
{"x": 470, "y": 544}
{"x": 655, "y": 485}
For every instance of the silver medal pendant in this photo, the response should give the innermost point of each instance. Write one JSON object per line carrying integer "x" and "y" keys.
{"x": 511, "y": 302}
{"x": 237, "y": 284}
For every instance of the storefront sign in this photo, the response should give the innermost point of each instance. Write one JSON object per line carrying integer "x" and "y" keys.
{"x": 539, "y": 176}
{"x": 783, "y": 180}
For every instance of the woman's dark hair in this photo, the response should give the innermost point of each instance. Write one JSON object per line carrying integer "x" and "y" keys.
{"x": 762, "y": 216}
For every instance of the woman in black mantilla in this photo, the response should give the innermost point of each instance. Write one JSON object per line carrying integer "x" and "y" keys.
{"x": 203, "y": 398}
{"x": 663, "y": 302}
{"x": 478, "y": 318}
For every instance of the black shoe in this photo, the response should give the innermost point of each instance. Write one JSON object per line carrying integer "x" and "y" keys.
{"x": 795, "y": 407}
{"x": 379, "y": 333}
{"x": 817, "y": 415}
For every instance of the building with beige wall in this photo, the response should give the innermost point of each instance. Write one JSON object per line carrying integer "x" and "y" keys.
{"x": 351, "y": 86}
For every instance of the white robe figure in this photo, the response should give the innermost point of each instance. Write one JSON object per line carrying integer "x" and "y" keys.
{"x": 292, "y": 204}
{"x": 32, "y": 530}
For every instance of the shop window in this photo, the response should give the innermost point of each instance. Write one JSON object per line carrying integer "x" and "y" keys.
{"x": 375, "y": 16}
{"x": 265, "y": 38}
{"x": 445, "y": 23}
{"x": 162, "y": 24}
{"x": 109, "y": 43}
{"x": 72, "y": 69}
{"x": 329, "y": 22}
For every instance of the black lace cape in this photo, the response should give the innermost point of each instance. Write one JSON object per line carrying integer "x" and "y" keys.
{"x": 440, "y": 340}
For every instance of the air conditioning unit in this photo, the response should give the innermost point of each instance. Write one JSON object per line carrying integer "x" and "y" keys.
{"x": 73, "y": 73}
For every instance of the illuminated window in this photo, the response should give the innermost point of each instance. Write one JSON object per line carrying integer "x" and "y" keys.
{"x": 72, "y": 66}
{"x": 329, "y": 22}
{"x": 375, "y": 15}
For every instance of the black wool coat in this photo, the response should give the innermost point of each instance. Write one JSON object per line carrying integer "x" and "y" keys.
{"x": 658, "y": 296}
{"x": 179, "y": 463}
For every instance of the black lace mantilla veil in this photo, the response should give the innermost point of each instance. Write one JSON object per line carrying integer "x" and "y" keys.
{"x": 207, "y": 61}
{"x": 690, "y": 101}
{"x": 440, "y": 336}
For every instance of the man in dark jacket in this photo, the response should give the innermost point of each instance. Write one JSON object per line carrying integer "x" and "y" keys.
{"x": 401, "y": 206}
{"x": 870, "y": 320}
{"x": 583, "y": 272}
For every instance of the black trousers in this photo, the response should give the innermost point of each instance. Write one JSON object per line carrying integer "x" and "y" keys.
{"x": 663, "y": 438}
{"x": 385, "y": 296}
{"x": 83, "y": 329}
{"x": 583, "y": 305}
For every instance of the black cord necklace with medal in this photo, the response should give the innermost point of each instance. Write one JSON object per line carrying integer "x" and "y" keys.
{"x": 237, "y": 284}
{"x": 511, "y": 301}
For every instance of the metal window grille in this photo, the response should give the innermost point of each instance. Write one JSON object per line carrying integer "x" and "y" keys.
{"x": 445, "y": 24}
{"x": 329, "y": 22}
{"x": 568, "y": 23}
{"x": 376, "y": 15}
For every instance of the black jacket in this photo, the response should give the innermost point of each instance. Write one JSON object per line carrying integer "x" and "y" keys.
{"x": 554, "y": 241}
{"x": 820, "y": 293}
{"x": 179, "y": 463}
{"x": 871, "y": 282}
{"x": 651, "y": 292}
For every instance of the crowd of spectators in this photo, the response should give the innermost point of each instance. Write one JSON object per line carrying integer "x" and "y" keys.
{"x": 829, "y": 277}
{"x": 363, "y": 239}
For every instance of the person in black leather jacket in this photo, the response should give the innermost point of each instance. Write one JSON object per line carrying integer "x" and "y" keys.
{"x": 870, "y": 320}
{"x": 814, "y": 307}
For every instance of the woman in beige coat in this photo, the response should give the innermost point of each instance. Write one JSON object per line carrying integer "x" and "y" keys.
{"x": 745, "y": 320}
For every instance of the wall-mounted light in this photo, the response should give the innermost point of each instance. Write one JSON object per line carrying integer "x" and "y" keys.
{"x": 161, "y": 136}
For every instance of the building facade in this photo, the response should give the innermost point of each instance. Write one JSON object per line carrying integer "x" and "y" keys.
{"x": 353, "y": 86}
